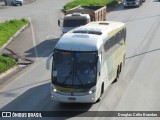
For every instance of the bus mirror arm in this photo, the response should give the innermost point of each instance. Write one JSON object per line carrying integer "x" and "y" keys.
{"x": 60, "y": 22}
{"x": 48, "y": 61}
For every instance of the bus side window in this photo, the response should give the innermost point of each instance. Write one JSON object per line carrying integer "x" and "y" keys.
{"x": 109, "y": 44}
{"x": 119, "y": 36}
{"x": 106, "y": 46}
{"x": 112, "y": 41}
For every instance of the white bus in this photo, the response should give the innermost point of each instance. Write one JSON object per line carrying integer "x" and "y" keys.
{"x": 86, "y": 61}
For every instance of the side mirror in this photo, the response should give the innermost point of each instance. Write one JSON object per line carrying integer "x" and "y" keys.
{"x": 99, "y": 65}
{"x": 58, "y": 22}
{"x": 48, "y": 61}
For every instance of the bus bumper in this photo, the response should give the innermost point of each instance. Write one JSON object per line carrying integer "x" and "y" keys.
{"x": 88, "y": 98}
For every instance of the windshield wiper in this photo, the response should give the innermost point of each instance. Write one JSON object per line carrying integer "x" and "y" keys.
{"x": 91, "y": 66}
{"x": 67, "y": 77}
{"x": 78, "y": 78}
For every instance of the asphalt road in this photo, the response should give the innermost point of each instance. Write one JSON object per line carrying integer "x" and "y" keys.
{"x": 138, "y": 86}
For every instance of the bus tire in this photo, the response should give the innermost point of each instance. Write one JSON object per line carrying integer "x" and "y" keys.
{"x": 124, "y": 59}
{"x": 12, "y": 3}
{"x": 102, "y": 91}
{"x": 5, "y": 3}
{"x": 139, "y": 4}
{"x": 124, "y": 7}
{"x": 117, "y": 76}
{"x": 120, "y": 69}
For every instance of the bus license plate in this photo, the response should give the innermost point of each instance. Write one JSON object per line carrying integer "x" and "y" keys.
{"x": 72, "y": 98}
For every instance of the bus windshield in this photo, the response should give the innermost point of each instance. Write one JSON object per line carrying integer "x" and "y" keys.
{"x": 75, "y": 68}
{"x": 74, "y": 23}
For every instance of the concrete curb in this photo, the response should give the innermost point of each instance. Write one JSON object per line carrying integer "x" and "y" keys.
{"x": 14, "y": 36}
{"x": 8, "y": 72}
{"x": 10, "y": 40}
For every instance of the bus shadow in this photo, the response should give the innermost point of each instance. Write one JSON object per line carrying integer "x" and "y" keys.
{"x": 38, "y": 99}
{"x": 44, "y": 49}
{"x": 154, "y": 50}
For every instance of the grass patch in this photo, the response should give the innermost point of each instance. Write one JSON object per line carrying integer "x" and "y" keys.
{"x": 6, "y": 63}
{"x": 9, "y": 28}
{"x": 75, "y": 3}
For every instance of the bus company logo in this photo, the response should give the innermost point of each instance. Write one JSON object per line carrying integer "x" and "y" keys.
{"x": 6, "y": 114}
{"x": 20, "y": 114}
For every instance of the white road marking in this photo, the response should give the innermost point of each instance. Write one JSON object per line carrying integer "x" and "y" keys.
{"x": 33, "y": 37}
{"x": 51, "y": 36}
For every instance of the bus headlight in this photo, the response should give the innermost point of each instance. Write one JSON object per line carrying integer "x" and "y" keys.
{"x": 92, "y": 90}
{"x": 54, "y": 89}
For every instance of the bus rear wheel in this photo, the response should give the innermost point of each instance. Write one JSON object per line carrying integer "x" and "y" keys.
{"x": 120, "y": 69}
{"x": 117, "y": 76}
{"x": 124, "y": 59}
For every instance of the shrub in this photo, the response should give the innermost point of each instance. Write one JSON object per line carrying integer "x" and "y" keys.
{"x": 6, "y": 63}
{"x": 90, "y": 3}
{"x": 9, "y": 28}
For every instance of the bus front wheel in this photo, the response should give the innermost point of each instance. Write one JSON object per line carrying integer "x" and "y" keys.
{"x": 102, "y": 91}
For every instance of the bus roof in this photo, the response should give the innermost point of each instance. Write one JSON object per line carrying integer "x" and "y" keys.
{"x": 89, "y": 37}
